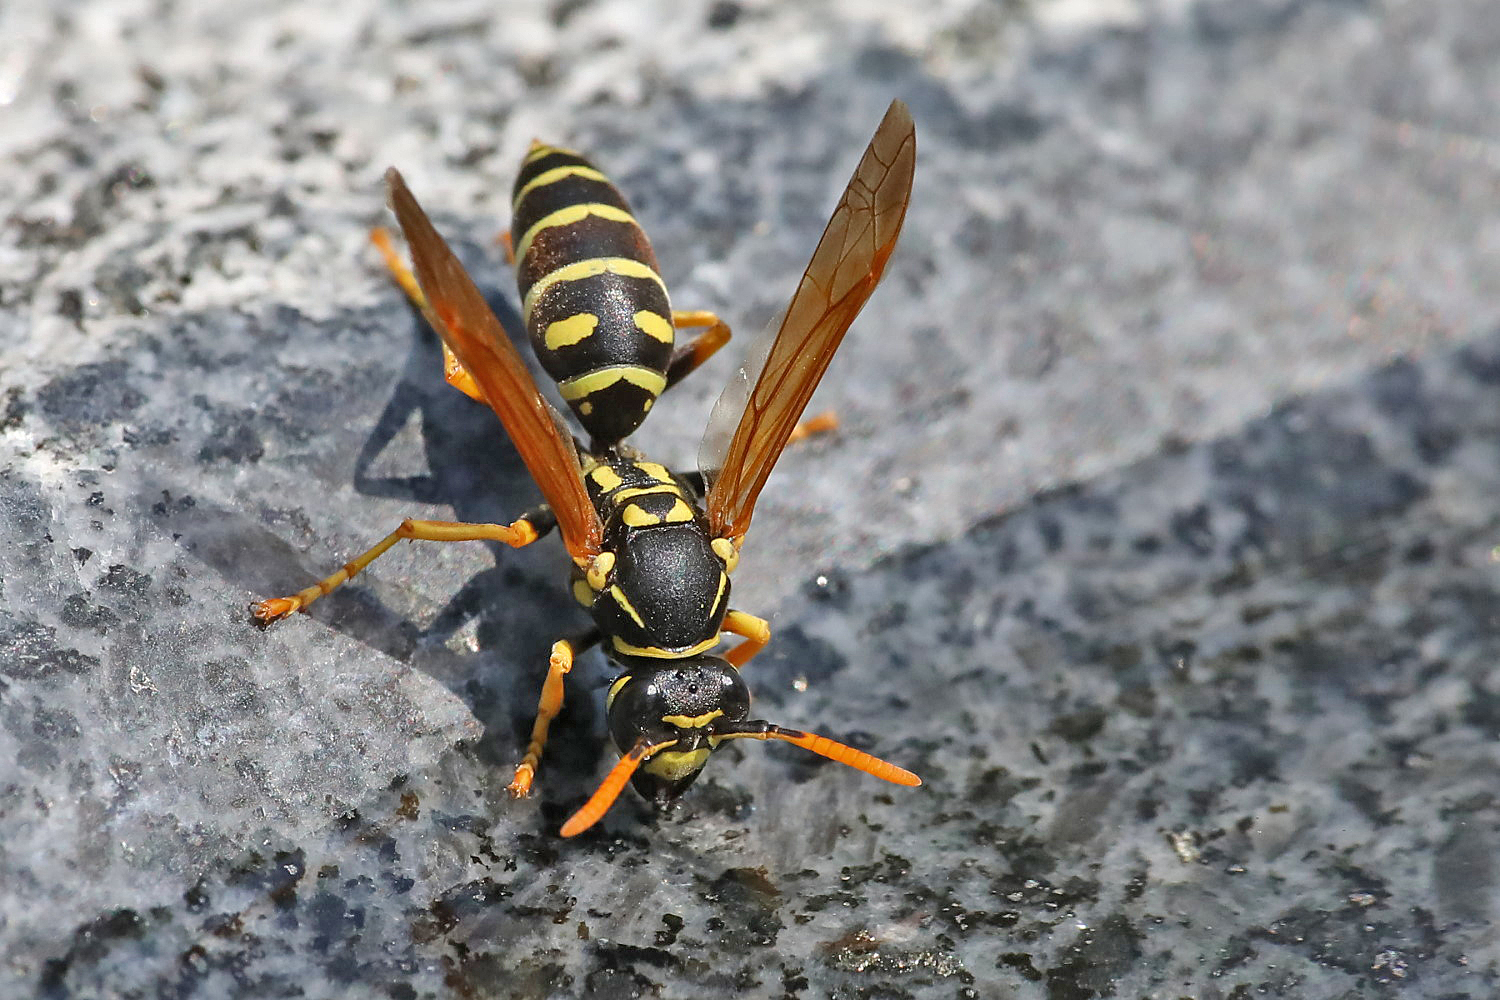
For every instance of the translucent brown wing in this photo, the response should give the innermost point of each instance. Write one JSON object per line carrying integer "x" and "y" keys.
{"x": 469, "y": 328}
{"x": 843, "y": 272}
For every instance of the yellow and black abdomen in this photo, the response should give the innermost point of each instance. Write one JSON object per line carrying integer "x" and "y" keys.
{"x": 595, "y": 307}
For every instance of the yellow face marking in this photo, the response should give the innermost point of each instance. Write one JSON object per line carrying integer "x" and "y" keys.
{"x": 692, "y": 722}
{"x": 614, "y": 689}
{"x": 567, "y": 332}
{"x": 674, "y": 765}
{"x": 637, "y": 517}
{"x": 680, "y": 512}
{"x": 602, "y": 378}
{"x": 583, "y": 593}
{"x": 656, "y": 471}
{"x": 625, "y": 605}
{"x": 605, "y": 478}
{"x": 585, "y": 407}
{"x": 567, "y": 216}
{"x": 580, "y": 269}
{"x": 662, "y": 654}
{"x": 599, "y": 569}
{"x": 552, "y": 177}
{"x": 726, "y": 551}
{"x": 653, "y": 325}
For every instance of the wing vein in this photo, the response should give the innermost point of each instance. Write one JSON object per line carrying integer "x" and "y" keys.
{"x": 844, "y": 270}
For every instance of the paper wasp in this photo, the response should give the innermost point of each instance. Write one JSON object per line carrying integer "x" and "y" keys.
{"x": 652, "y": 550}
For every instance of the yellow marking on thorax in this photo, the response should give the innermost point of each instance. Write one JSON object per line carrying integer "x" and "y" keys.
{"x": 655, "y": 470}
{"x": 580, "y": 269}
{"x": 568, "y": 215}
{"x": 567, "y": 332}
{"x": 726, "y": 551}
{"x": 653, "y": 325}
{"x": 605, "y": 478}
{"x": 692, "y": 722}
{"x": 625, "y": 605}
{"x": 552, "y": 177}
{"x": 723, "y": 583}
{"x": 597, "y": 569}
{"x": 680, "y": 512}
{"x": 602, "y": 378}
{"x": 583, "y": 593}
{"x": 614, "y": 689}
{"x": 636, "y": 517}
{"x": 662, "y": 654}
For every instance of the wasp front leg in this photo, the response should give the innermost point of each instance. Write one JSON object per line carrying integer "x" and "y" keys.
{"x": 550, "y": 703}
{"x": 755, "y": 631}
{"x": 522, "y": 531}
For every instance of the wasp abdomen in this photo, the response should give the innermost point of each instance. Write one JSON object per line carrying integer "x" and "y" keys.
{"x": 594, "y": 305}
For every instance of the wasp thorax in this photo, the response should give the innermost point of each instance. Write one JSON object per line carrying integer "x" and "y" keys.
{"x": 667, "y": 592}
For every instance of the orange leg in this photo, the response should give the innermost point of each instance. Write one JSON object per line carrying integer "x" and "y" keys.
{"x": 550, "y": 703}
{"x": 454, "y": 373}
{"x": 756, "y": 632}
{"x": 701, "y": 348}
{"x": 522, "y": 531}
{"x": 821, "y": 424}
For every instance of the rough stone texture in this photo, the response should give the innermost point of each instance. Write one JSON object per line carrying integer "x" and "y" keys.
{"x": 1159, "y": 537}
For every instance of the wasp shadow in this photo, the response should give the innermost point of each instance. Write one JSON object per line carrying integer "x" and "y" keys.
{"x": 489, "y": 642}
{"x": 519, "y": 606}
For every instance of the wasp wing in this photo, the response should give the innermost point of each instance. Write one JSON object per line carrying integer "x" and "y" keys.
{"x": 754, "y": 417}
{"x": 469, "y": 327}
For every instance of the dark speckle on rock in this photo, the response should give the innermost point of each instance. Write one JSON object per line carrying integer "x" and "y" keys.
{"x": 90, "y": 396}
{"x": 233, "y": 439}
{"x": 30, "y": 651}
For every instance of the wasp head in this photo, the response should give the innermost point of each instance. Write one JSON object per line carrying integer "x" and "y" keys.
{"x": 675, "y": 706}
{"x": 668, "y": 716}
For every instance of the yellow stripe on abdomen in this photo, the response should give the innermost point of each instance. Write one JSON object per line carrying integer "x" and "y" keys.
{"x": 567, "y": 332}
{"x": 601, "y": 378}
{"x": 556, "y": 174}
{"x": 569, "y": 215}
{"x": 656, "y": 326}
{"x": 580, "y": 269}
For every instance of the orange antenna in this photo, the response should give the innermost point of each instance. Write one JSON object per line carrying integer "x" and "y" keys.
{"x": 824, "y": 747}
{"x": 614, "y": 782}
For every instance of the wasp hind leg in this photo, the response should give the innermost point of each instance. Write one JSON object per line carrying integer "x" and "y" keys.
{"x": 548, "y": 705}
{"x": 522, "y": 531}
{"x": 702, "y": 347}
{"x": 824, "y": 422}
{"x": 454, "y": 373}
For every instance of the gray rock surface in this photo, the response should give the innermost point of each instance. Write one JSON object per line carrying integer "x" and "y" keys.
{"x": 1159, "y": 537}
